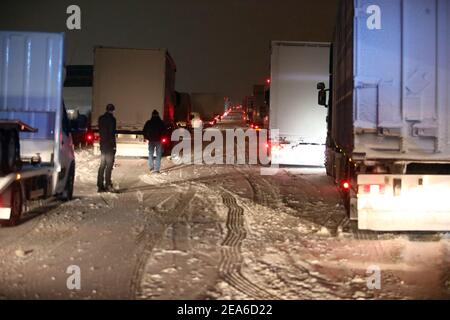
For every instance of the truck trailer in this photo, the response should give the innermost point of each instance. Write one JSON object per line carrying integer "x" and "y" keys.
{"x": 136, "y": 81}
{"x": 36, "y": 149}
{"x": 388, "y": 143}
{"x": 296, "y": 67}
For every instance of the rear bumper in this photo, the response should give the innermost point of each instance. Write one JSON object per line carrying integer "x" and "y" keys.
{"x": 403, "y": 220}
{"x": 407, "y": 203}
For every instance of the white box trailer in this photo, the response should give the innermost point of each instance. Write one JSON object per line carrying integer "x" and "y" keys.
{"x": 296, "y": 68}
{"x": 136, "y": 81}
{"x": 389, "y": 114}
{"x": 36, "y": 149}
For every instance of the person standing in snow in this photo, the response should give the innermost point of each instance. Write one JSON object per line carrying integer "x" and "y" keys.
{"x": 107, "y": 131}
{"x": 153, "y": 131}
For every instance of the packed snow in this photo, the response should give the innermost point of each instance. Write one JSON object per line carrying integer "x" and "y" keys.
{"x": 212, "y": 232}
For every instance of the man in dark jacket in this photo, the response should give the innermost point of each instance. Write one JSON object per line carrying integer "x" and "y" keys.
{"x": 107, "y": 130}
{"x": 154, "y": 131}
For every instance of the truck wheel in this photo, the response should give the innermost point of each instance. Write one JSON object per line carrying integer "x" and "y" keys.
{"x": 68, "y": 190}
{"x": 16, "y": 206}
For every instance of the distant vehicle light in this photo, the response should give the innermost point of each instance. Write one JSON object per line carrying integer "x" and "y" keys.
{"x": 268, "y": 81}
{"x": 164, "y": 140}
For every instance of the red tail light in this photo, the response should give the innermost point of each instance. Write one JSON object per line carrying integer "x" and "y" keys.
{"x": 345, "y": 185}
{"x": 164, "y": 140}
{"x": 90, "y": 137}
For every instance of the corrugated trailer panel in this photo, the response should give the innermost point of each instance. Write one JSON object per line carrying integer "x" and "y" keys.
{"x": 342, "y": 112}
{"x": 30, "y": 81}
{"x": 401, "y": 81}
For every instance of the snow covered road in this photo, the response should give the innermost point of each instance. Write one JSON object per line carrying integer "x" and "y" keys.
{"x": 212, "y": 232}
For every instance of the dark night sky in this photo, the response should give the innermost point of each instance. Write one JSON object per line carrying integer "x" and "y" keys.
{"x": 218, "y": 45}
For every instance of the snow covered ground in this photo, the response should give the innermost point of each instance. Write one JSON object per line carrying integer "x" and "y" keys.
{"x": 212, "y": 232}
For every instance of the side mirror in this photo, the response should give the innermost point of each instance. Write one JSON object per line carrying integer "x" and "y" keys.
{"x": 322, "y": 98}
{"x": 322, "y": 95}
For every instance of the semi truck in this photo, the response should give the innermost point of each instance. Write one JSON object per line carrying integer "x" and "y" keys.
{"x": 296, "y": 68}
{"x": 136, "y": 81}
{"x": 36, "y": 150}
{"x": 388, "y": 143}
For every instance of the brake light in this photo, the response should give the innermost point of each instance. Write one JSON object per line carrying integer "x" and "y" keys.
{"x": 345, "y": 185}
{"x": 90, "y": 137}
{"x": 163, "y": 140}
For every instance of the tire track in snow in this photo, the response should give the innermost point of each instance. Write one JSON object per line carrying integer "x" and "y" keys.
{"x": 149, "y": 237}
{"x": 230, "y": 267}
{"x": 264, "y": 192}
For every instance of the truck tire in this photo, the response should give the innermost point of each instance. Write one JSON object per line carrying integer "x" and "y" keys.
{"x": 16, "y": 206}
{"x": 68, "y": 190}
